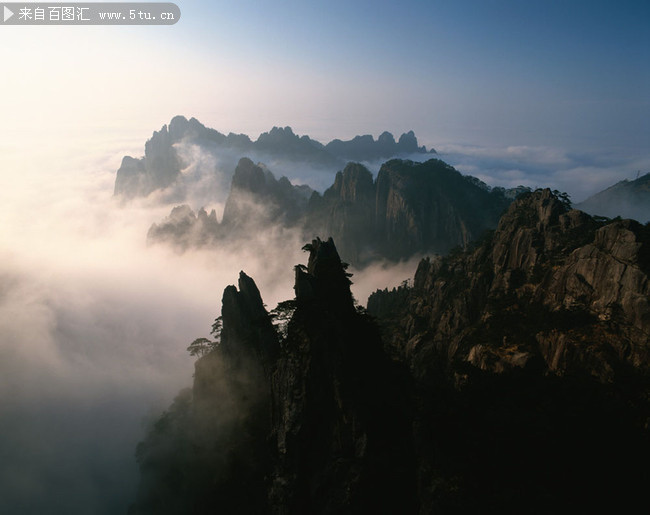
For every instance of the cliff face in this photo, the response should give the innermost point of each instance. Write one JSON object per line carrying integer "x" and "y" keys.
{"x": 431, "y": 207}
{"x": 550, "y": 282}
{"x": 411, "y": 208}
{"x": 529, "y": 355}
{"x": 257, "y": 199}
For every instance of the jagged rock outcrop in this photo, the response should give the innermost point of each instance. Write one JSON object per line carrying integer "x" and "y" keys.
{"x": 210, "y": 449}
{"x": 366, "y": 148}
{"x": 342, "y": 424}
{"x": 346, "y": 211}
{"x": 159, "y": 167}
{"x": 550, "y": 282}
{"x": 529, "y": 354}
{"x": 627, "y": 199}
{"x": 312, "y": 423}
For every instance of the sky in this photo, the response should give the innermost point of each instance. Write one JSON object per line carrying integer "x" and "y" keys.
{"x": 94, "y": 325}
{"x": 568, "y": 77}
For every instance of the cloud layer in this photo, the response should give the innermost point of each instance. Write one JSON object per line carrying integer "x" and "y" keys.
{"x": 579, "y": 174}
{"x": 94, "y": 328}
{"x": 94, "y": 324}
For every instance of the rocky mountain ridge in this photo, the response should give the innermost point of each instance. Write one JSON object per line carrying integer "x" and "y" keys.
{"x": 162, "y": 163}
{"x": 410, "y": 208}
{"x": 626, "y": 199}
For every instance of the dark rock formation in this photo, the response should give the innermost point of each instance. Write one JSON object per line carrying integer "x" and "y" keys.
{"x": 365, "y": 148}
{"x": 282, "y": 141}
{"x": 210, "y": 450}
{"x": 312, "y": 423}
{"x": 627, "y": 199}
{"x": 510, "y": 377}
{"x": 342, "y": 423}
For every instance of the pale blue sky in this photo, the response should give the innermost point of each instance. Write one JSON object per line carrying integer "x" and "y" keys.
{"x": 507, "y": 71}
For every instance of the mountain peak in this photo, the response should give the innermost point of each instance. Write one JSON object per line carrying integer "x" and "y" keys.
{"x": 324, "y": 279}
{"x": 354, "y": 183}
{"x": 245, "y": 321}
{"x": 541, "y": 207}
{"x": 386, "y": 138}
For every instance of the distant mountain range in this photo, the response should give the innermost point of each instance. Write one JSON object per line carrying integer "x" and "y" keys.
{"x": 627, "y": 199}
{"x": 164, "y": 161}
{"x": 410, "y": 208}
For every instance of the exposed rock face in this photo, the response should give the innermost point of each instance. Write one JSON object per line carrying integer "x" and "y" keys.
{"x": 530, "y": 357}
{"x": 162, "y": 163}
{"x": 628, "y": 199}
{"x": 431, "y": 207}
{"x": 550, "y": 282}
{"x": 346, "y": 211}
{"x": 411, "y": 208}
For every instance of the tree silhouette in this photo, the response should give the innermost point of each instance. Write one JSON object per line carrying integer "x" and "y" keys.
{"x": 202, "y": 346}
